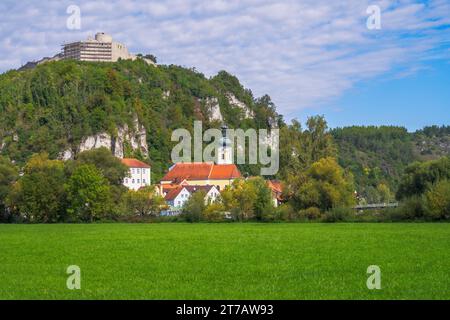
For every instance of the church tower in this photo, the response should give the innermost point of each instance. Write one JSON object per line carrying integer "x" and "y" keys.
{"x": 225, "y": 149}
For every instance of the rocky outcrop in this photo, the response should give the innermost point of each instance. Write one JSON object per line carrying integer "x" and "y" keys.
{"x": 136, "y": 138}
{"x": 233, "y": 101}
{"x": 95, "y": 142}
{"x": 213, "y": 108}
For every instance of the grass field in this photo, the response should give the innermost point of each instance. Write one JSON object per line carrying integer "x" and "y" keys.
{"x": 225, "y": 261}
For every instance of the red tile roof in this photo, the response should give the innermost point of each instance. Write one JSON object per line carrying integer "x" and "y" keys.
{"x": 193, "y": 189}
{"x": 202, "y": 171}
{"x": 275, "y": 186}
{"x": 173, "y": 193}
{"x": 134, "y": 163}
{"x": 224, "y": 171}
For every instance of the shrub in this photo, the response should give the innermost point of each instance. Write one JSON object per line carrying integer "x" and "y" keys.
{"x": 143, "y": 202}
{"x": 339, "y": 215}
{"x": 409, "y": 210}
{"x": 412, "y": 209}
{"x": 438, "y": 201}
{"x": 215, "y": 212}
{"x": 285, "y": 212}
{"x": 311, "y": 213}
{"x": 194, "y": 208}
{"x": 390, "y": 214}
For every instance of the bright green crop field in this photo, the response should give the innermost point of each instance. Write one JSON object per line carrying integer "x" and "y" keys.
{"x": 225, "y": 261}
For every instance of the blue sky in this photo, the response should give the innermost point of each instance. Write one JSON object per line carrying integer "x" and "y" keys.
{"x": 310, "y": 56}
{"x": 419, "y": 100}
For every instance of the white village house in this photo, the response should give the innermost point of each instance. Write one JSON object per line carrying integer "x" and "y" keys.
{"x": 139, "y": 176}
{"x": 177, "y": 197}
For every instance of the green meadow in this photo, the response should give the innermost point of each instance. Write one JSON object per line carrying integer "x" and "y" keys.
{"x": 225, "y": 261}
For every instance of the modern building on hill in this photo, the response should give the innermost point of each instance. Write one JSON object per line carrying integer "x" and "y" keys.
{"x": 139, "y": 175}
{"x": 102, "y": 48}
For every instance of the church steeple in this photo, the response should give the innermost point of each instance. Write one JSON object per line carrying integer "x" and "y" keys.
{"x": 225, "y": 149}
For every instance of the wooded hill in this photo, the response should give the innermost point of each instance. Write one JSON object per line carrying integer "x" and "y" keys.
{"x": 378, "y": 156}
{"x": 56, "y": 106}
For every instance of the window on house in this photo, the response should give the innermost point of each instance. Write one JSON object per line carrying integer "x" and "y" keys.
{"x": 143, "y": 180}
{"x": 126, "y": 180}
{"x": 132, "y": 181}
{"x": 138, "y": 180}
{"x": 138, "y": 170}
{"x": 223, "y": 156}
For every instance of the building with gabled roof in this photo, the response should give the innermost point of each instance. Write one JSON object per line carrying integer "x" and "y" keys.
{"x": 194, "y": 174}
{"x": 202, "y": 174}
{"x": 139, "y": 174}
{"x": 277, "y": 191}
{"x": 177, "y": 197}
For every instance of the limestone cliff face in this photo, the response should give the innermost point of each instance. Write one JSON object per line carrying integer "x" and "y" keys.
{"x": 213, "y": 108}
{"x": 136, "y": 138}
{"x": 233, "y": 101}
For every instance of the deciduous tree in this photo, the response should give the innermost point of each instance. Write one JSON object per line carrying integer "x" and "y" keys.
{"x": 88, "y": 194}
{"x": 8, "y": 175}
{"x": 144, "y": 202}
{"x": 39, "y": 195}
{"x": 324, "y": 185}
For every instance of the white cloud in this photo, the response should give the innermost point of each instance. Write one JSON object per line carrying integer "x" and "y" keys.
{"x": 302, "y": 53}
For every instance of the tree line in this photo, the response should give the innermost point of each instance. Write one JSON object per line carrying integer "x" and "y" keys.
{"x": 87, "y": 189}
